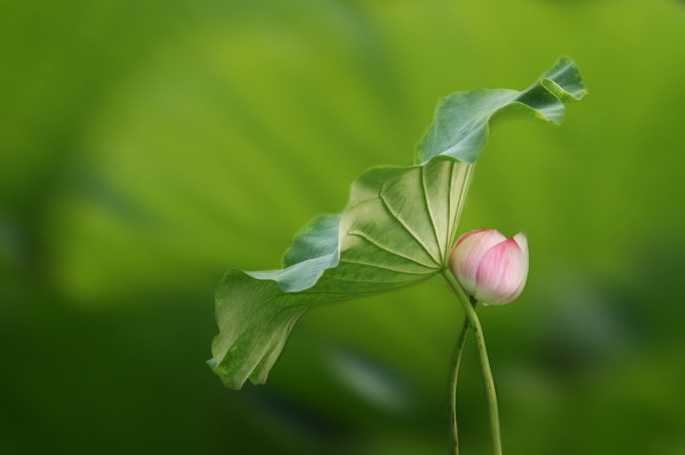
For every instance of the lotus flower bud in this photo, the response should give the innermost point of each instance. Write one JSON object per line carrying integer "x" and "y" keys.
{"x": 490, "y": 267}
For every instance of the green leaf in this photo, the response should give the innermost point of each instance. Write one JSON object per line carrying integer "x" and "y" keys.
{"x": 396, "y": 230}
{"x": 460, "y": 127}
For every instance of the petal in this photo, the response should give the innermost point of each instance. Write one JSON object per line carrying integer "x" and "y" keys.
{"x": 468, "y": 253}
{"x": 501, "y": 273}
{"x": 522, "y": 242}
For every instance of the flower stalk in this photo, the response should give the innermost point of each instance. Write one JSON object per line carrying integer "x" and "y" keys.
{"x": 472, "y": 320}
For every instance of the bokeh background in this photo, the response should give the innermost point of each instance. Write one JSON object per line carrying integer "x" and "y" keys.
{"x": 147, "y": 146}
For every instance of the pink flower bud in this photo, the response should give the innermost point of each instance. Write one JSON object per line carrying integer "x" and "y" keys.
{"x": 490, "y": 267}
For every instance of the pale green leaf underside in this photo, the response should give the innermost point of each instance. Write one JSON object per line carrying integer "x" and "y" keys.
{"x": 396, "y": 230}
{"x": 393, "y": 233}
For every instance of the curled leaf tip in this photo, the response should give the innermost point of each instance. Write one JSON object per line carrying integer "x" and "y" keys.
{"x": 460, "y": 126}
{"x": 564, "y": 80}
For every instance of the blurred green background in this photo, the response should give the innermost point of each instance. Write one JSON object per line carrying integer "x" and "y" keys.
{"x": 147, "y": 146}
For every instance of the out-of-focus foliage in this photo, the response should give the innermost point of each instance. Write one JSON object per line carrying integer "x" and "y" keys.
{"x": 146, "y": 146}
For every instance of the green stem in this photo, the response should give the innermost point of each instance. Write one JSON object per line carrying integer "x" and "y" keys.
{"x": 454, "y": 378}
{"x": 473, "y": 320}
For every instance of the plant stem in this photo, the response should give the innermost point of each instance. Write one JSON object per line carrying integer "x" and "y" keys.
{"x": 487, "y": 377}
{"x": 473, "y": 321}
{"x": 454, "y": 378}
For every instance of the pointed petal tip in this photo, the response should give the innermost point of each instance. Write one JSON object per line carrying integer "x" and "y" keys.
{"x": 522, "y": 241}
